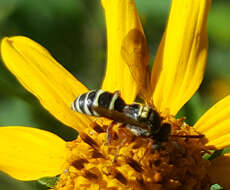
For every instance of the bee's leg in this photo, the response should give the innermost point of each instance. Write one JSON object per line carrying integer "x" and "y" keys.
{"x": 155, "y": 143}
{"x": 110, "y": 133}
{"x": 124, "y": 135}
{"x": 149, "y": 147}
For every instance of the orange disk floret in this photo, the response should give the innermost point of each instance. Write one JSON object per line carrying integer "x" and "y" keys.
{"x": 136, "y": 163}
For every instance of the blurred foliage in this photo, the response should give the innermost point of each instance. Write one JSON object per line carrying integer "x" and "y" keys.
{"x": 50, "y": 182}
{"x": 74, "y": 32}
{"x": 216, "y": 187}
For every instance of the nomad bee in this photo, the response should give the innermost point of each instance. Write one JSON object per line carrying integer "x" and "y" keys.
{"x": 141, "y": 120}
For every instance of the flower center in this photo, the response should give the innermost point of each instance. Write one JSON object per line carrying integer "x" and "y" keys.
{"x": 131, "y": 162}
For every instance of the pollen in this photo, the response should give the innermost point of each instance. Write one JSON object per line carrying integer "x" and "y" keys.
{"x": 136, "y": 163}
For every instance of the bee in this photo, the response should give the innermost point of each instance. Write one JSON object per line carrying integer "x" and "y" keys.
{"x": 139, "y": 119}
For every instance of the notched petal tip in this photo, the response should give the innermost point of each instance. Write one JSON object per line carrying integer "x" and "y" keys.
{"x": 5, "y": 40}
{"x": 45, "y": 78}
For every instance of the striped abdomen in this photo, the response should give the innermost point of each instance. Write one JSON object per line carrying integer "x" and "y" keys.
{"x": 98, "y": 99}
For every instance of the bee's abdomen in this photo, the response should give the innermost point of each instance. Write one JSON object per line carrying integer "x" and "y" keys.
{"x": 98, "y": 98}
{"x": 84, "y": 102}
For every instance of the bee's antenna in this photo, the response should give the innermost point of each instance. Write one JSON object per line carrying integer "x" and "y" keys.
{"x": 188, "y": 136}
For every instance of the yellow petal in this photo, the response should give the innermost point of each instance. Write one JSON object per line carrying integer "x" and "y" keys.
{"x": 220, "y": 142}
{"x": 29, "y": 153}
{"x": 127, "y": 49}
{"x": 220, "y": 170}
{"x": 181, "y": 58}
{"x": 214, "y": 124}
{"x": 41, "y": 75}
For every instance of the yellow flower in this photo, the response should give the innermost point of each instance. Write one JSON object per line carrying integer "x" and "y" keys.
{"x": 87, "y": 162}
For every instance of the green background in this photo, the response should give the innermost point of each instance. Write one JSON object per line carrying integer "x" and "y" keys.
{"x": 74, "y": 32}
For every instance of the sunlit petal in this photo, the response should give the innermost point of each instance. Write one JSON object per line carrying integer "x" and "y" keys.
{"x": 29, "y": 153}
{"x": 220, "y": 170}
{"x": 181, "y": 58}
{"x": 127, "y": 49}
{"x": 214, "y": 124}
{"x": 41, "y": 75}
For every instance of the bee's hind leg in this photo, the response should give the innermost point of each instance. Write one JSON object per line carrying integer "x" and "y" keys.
{"x": 124, "y": 137}
{"x": 110, "y": 133}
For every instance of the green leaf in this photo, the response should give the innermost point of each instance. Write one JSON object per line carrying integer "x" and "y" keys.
{"x": 207, "y": 156}
{"x": 226, "y": 150}
{"x": 49, "y": 181}
{"x": 216, "y": 187}
{"x": 216, "y": 154}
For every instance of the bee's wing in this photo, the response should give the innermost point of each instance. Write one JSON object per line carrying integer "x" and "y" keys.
{"x": 119, "y": 117}
{"x": 110, "y": 114}
{"x": 135, "y": 53}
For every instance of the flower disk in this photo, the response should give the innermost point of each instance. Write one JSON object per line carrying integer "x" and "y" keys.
{"x": 135, "y": 163}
